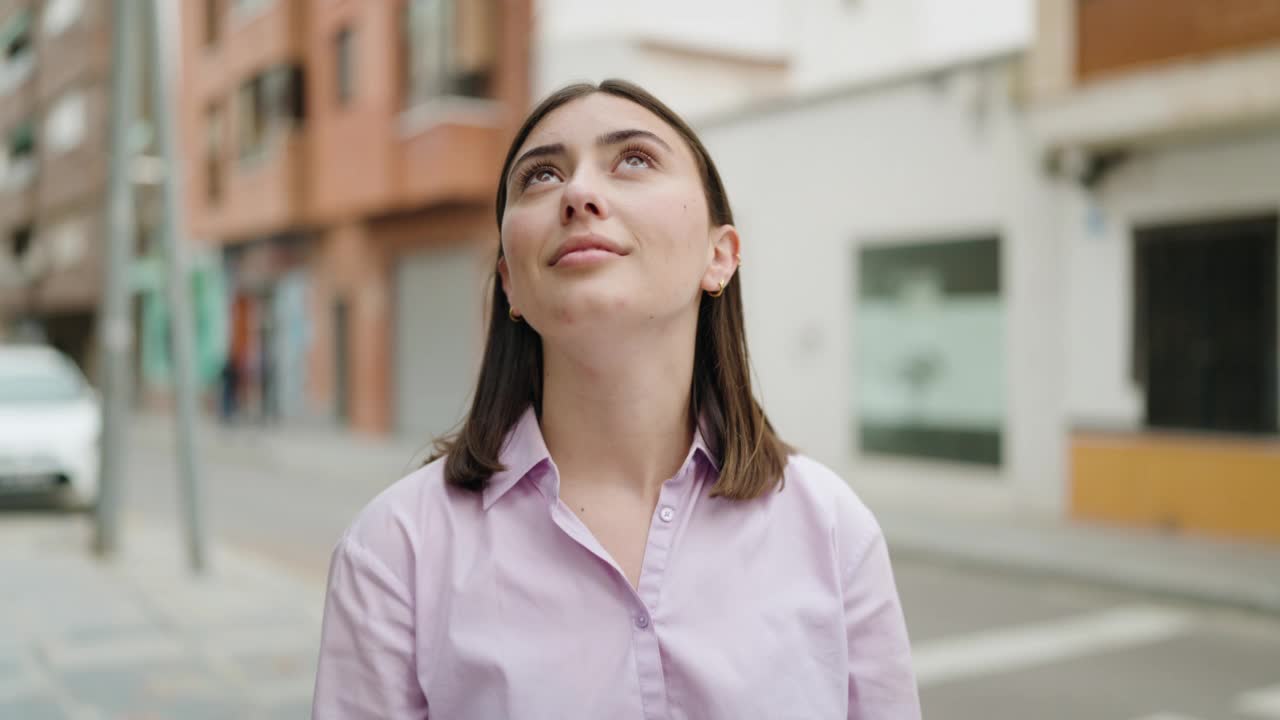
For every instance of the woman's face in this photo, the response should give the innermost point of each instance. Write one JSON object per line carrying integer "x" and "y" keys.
{"x": 606, "y": 221}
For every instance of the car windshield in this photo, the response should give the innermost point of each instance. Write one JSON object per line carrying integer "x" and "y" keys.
{"x": 39, "y": 383}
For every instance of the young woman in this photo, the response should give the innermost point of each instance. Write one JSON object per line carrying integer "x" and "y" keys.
{"x": 617, "y": 531}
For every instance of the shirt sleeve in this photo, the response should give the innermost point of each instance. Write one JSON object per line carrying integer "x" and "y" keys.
{"x": 367, "y": 666}
{"x": 882, "y": 683}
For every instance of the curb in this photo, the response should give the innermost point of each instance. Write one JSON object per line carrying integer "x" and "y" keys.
{"x": 1184, "y": 582}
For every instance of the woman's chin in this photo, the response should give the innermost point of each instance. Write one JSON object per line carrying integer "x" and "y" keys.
{"x": 595, "y": 309}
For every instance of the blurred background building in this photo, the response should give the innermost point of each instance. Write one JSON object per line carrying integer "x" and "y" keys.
{"x": 54, "y": 69}
{"x": 1159, "y": 124}
{"x": 1041, "y": 271}
{"x": 1030, "y": 244}
{"x": 1010, "y": 253}
{"x": 343, "y": 158}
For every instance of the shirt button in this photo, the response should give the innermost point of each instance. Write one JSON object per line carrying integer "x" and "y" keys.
{"x": 642, "y": 621}
{"x": 667, "y": 513}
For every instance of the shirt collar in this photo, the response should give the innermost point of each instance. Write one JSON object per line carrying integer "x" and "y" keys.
{"x": 525, "y": 450}
{"x": 709, "y": 451}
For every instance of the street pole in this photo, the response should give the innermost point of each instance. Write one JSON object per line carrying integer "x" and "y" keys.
{"x": 115, "y": 328}
{"x": 179, "y": 283}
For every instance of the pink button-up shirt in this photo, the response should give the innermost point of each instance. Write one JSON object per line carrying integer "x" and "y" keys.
{"x": 452, "y": 604}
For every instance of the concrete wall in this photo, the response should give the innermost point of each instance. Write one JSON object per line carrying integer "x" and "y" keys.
{"x": 690, "y": 82}
{"x": 760, "y": 27}
{"x": 815, "y": 43}
{"x": 924, "y": 160}
{"x": 837, "y": 41}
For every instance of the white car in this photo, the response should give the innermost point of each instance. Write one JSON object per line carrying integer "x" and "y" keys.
{"x": 50, "y": 427}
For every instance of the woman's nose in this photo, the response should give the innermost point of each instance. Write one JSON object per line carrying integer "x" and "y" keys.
{"x": 582, "y": 201}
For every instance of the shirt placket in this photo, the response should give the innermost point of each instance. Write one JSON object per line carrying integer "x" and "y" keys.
{"x": 674, "y": 501}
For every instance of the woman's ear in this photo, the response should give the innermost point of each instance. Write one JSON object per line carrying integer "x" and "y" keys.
{"x": 505, "y": 274}
{"x": 725, "y": 249}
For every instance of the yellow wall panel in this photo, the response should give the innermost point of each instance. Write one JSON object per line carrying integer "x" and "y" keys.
{"x": 1222, "y": 486}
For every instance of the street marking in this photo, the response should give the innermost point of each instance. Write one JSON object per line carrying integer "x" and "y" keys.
{"x": 1014, "y": 648}
{"x": 1263, "y": 703}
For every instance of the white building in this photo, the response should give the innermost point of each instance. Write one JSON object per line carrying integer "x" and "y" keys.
{"x": 698, "y": 56}
{"x": 707, "y": 56}
{"x": 901, "y": 289}
{"x": 1005, "y": 254}
{"x": 1169, "y": 135}
{"x": 836, "y": 42}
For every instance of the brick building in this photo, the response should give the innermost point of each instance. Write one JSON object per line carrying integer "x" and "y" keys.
{"x": 342, "y": 156}
{"x": 54, "y": 88}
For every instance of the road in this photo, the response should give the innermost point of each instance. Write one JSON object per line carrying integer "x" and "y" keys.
{"x": 986, "y": 645}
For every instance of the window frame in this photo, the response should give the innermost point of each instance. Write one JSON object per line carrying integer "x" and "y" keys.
{"x": 345, "y": 65}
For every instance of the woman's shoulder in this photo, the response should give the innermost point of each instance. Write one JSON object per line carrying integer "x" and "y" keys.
{"x": 396, "y": 523}
{"x": 816, "y": 485}
{"x": 815, "y": 478}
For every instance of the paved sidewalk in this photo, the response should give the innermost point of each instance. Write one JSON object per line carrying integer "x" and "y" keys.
{"x": 1181, "y": 566}
{"x": 315, "y": 449}
{"x": 141, "y": 638}
{"x": 1185, "y": 567}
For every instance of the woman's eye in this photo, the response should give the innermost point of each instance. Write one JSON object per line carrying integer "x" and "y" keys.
{"x": 542, "y": 176}
{"x": 635, "y": 161}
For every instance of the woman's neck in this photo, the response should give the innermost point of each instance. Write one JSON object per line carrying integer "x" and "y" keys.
{"x": 619, "y": 413}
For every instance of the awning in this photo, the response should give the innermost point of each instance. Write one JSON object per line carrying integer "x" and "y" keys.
{"x": 1155, "y": 105}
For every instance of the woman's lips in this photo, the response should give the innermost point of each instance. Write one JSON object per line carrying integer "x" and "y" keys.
{"x": 585, "y": 250}
{"x": 585, "y": 256}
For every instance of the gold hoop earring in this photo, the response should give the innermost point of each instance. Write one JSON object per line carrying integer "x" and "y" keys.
{"x": 719, "y": 292}
{"x": 511, "y": 313}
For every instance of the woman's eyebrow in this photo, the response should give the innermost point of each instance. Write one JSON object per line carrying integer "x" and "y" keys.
{"x": 609, "y": 138}
{"x": 540, "y": 151}
{"x": 618, "y": 136}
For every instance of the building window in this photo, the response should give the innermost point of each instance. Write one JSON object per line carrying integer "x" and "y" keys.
{"x": 270, "y": 104}
{"x": 1205, "y": 325}
{"x": 20, "y": 242}
{"x": 212, "y": 22}
{"x": 344, "y": 51}
{"x": 449, "y": 49}
{"x": 15, "y": 35}
{"x": 215, "y": 131}
{"x": 286, "y": 95}
{"x": 16, "y": 56}
{"x": 59, "y": 15}
{"x": 930, "y": 349}
{"x": 64, "y": 126}
{"x": 26, "y": 259}
{"x": 20, "y": 156}
{"x": 252, "y": 118}
{"x": 22, "y": 141}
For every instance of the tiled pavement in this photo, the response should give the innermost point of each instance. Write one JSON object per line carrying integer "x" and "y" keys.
{"x": 140, "y": 637}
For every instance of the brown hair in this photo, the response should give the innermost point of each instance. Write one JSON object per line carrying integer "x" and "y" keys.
{"x": 752, "y": 457}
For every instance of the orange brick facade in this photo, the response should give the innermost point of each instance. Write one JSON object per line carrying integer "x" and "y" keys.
{"x": 359, "y": 179}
